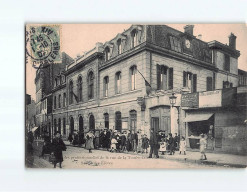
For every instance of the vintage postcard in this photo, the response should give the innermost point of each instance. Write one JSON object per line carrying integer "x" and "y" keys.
{"x": 136, "y": 96}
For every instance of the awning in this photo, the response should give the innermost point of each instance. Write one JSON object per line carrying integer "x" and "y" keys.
{"x": 198, "y": 117}
{"x": 34, "y": 129}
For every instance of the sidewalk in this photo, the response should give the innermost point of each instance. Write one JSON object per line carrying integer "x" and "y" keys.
{"x": 228, "y": 160}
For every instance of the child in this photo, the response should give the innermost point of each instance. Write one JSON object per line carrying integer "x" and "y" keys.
{"x": 145, "y": 143}
{"x": 113, "y": 144}
{"x": 182, "y": 147}
{"x": 163, "y": 146}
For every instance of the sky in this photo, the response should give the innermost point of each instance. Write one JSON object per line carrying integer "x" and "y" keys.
{"x": 79, "y": 38}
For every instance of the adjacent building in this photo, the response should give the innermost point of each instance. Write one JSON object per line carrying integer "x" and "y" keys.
{"x": 44, "y": 84}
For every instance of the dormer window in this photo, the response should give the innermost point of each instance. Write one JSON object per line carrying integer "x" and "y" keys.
{"x": 107, "y": 53}
{"x": 119, "y": 46}
{"x": 134, "y": 38}
{"x": 175, "y": 44}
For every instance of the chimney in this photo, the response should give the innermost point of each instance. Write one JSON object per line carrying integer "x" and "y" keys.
{"x": 199, "y": 36}
{"x": 99, "y": 47}
{"x": 188, "y": 29}
{"x": 232, "y": 41}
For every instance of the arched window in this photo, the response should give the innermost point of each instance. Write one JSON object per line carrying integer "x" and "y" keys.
{"x": 55, "y": 82}
{"x": 64, "y": 99}
{"x": 106, "y": 117}
{"x": 133, "y": 120}
{"x": 55, "y": 126}
{"x": 71, "y": 93}
{"x": 55, "y": 102}
{"x": 71, "y": 125}
{"x": 118, "y": 83}
{"x": 61, "y": 81}
{"x": 107, "y": 53}
{"x": 118, "y": 121}
{"x": 90, "y": 85}
{"x": 59, "y": 125}
{"x": 79, "y": 89}
{"x": 119, "y": 46}
{"x": 81, "y": 124}
{"x": 64, "y": 126}
{"x": 59, "y": 101}
{"x": 91, "y": 122}
{"x": 105, "y": 87}
{"x": 133, "y": 74}
{"x": 134, "y": 38}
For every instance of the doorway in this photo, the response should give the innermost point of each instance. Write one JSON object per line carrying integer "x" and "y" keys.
{"x": 91, "y": 123}
{"x": 71, "y": 125}
{"x": 155, "y": 124}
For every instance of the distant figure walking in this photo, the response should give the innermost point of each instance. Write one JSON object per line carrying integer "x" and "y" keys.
{"x": 57, "y": 147}
{"x": 182, "y": 146}
{"x": 203, "y": 146}
{"x": 89, "y": 141}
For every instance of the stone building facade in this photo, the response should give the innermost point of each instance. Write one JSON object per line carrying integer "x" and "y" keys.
{"x": 105, "y": 88}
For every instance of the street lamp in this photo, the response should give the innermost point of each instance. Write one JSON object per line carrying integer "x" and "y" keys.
{"x": 173, "y": 100}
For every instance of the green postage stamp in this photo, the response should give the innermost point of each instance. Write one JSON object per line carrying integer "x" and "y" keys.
{"x": 43, "y": 44}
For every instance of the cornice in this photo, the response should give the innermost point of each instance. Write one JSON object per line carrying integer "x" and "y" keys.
{"x": 225, "y": 48}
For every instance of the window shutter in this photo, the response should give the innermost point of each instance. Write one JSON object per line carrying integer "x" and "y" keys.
{"x": 209, "y": 83}
{"x": 158, "y": 77}
{"x": 170, "y": 81}
{"x": 194, "y": 83}
{"x": 184, "y": 79}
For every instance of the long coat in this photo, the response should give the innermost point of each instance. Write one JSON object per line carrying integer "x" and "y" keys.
{"x": 89, "y": 141}
{"x": 57, "y": 147}
{"x": 154, "y": 139}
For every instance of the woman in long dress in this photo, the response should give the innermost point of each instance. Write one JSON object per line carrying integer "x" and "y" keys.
{"x": 89, "y": 141}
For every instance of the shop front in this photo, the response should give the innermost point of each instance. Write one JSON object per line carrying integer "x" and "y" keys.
{"x": 197, "y": 123}
{"x": 210, "y": 113}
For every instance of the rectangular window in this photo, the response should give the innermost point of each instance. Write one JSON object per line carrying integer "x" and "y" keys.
{"x": 175, "y": 44}
{"x": 190, "y": 81}
{"x": 227, "y": 63}
{"x": 209, "y": 84}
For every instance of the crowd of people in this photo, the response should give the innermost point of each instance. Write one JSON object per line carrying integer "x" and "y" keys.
{"x": 130, "y": 141}
{"x": 115, "y": 141}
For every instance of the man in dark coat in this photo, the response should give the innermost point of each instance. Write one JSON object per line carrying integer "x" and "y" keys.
{"x": 176, "y": 141}
{"x": 154, "y": 144}
{"x": 171, "y": 144}
{"x": 57, "y": 147}
{"x": 108, "y": 139}
{"x": 123, "y": 142}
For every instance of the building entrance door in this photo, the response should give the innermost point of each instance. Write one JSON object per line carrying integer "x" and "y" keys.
{"x": 155, "y": 124}
{"x": 71, "y": 125}
{"x": 91, "y": 123}
{"x": 160, "y": 119}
